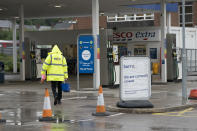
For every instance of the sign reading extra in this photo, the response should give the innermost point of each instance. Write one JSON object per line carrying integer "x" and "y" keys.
{"x": 126, "y": 36}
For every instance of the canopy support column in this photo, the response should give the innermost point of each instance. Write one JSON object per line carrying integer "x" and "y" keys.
{"x": 21, "y": 36}
{"x": 95, "y": 33}
{"x": 14, "y": 46}
{"x": 163, "y": 42}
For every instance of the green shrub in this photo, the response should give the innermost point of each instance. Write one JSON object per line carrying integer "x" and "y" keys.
{"x": 8, "y": 62}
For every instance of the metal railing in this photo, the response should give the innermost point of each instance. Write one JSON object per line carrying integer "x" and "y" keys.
{"x": 7, "y": 51}
{"x": 134, "y": 17}
{"x": 191, "y": 59}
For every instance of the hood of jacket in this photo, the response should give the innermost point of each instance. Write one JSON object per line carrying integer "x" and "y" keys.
{"x": 55, "y": 50}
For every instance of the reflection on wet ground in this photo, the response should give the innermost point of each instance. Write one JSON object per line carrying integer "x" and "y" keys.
{"x": 22, "y": 109}
{"x": 27, "y": 108}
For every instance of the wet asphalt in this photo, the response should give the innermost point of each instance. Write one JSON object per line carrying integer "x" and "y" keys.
{"x": 21, "y": 105}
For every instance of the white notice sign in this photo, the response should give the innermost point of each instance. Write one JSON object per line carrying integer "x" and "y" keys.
{"x": 135, "y": 78}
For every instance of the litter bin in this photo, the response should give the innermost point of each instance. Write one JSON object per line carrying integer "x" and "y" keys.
{"x": 1, "y": 72}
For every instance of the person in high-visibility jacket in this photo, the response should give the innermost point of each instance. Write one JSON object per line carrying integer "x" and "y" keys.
{"x": 57, "y": 71}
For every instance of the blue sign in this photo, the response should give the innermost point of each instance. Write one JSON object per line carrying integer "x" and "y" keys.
{"x": 170, "y": 7}
{"x": 86, "y": 53}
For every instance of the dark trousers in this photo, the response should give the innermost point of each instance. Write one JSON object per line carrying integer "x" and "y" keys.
{"x": 54, "y": 85}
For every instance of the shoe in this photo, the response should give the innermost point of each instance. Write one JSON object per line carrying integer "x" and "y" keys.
{"x": 55, "y": 101}
{"x": 59, "y": 102}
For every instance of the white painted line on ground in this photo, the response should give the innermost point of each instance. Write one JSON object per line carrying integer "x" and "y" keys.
{"x": 74, "y": 98}
{"x": 33, "y": 124}
{"x": 118, "y": 114}
{"x": 85, "y": 120}
{"x": 73, "y": 121}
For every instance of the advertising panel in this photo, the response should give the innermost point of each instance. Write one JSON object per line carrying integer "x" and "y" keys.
{"x": 135, "y": 78}
{"x": 86, "y": 53}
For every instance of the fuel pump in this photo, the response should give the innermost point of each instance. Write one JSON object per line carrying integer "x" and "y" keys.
{"x": 111, "y": 69}
{"x": 175, "y": 63}
{"x": 172, "y": 63}
{"x": 106, "y": 58}
{"x": 110, "y": 59}
{"x": 33, "y": 65}
{"x": 40, "y": 52}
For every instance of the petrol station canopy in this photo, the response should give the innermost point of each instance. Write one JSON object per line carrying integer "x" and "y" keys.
{"x": 69, "y": 8}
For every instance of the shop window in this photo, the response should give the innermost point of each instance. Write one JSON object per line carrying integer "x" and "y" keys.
{"x": 153, "y": 53}
{"x": 140, "y": 51}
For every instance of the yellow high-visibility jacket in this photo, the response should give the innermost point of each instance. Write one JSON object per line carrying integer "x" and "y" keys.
{"x": 55, "y": 65}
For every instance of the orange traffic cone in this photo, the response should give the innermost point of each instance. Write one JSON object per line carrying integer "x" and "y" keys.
{"x": 2, "y": 120}
{"x": 193, "y": 94}
{"x": 47, "y": 112}
{"x": 100, "y": 108}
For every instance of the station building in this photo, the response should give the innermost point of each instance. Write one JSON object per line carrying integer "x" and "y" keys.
{"x": 136, "y": 34}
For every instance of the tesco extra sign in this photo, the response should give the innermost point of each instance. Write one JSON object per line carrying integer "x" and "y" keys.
{"x": 137, "y": 36}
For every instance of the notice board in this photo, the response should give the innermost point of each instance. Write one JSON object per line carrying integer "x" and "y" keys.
{"x": 135, "y": 83}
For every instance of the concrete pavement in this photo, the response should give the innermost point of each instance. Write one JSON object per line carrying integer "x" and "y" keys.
{"x": 165, "y": 97}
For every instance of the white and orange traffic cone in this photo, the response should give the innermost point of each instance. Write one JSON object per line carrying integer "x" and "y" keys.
{"x": 100, "y": 108}
{"x": 47, "y": 112}
{"x": 2, "y": 120}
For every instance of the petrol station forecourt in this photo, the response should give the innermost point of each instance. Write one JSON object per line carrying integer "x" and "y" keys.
{"x": 97, "y": 60}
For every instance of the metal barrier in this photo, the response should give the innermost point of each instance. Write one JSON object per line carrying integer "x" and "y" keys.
{"x": 191, "y": 58}
{"x": 7, "y": 51}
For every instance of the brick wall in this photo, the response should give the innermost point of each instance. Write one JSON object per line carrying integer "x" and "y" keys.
{"x": 174, "y": 19}
{"x": 195, "y": 13}
{"x": 86, "y": 22}
{"x": 157, "y": 19}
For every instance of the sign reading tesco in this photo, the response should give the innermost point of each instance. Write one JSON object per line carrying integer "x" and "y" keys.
{"x": 137, "y": 36}
{"x": 122, "y": 35}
